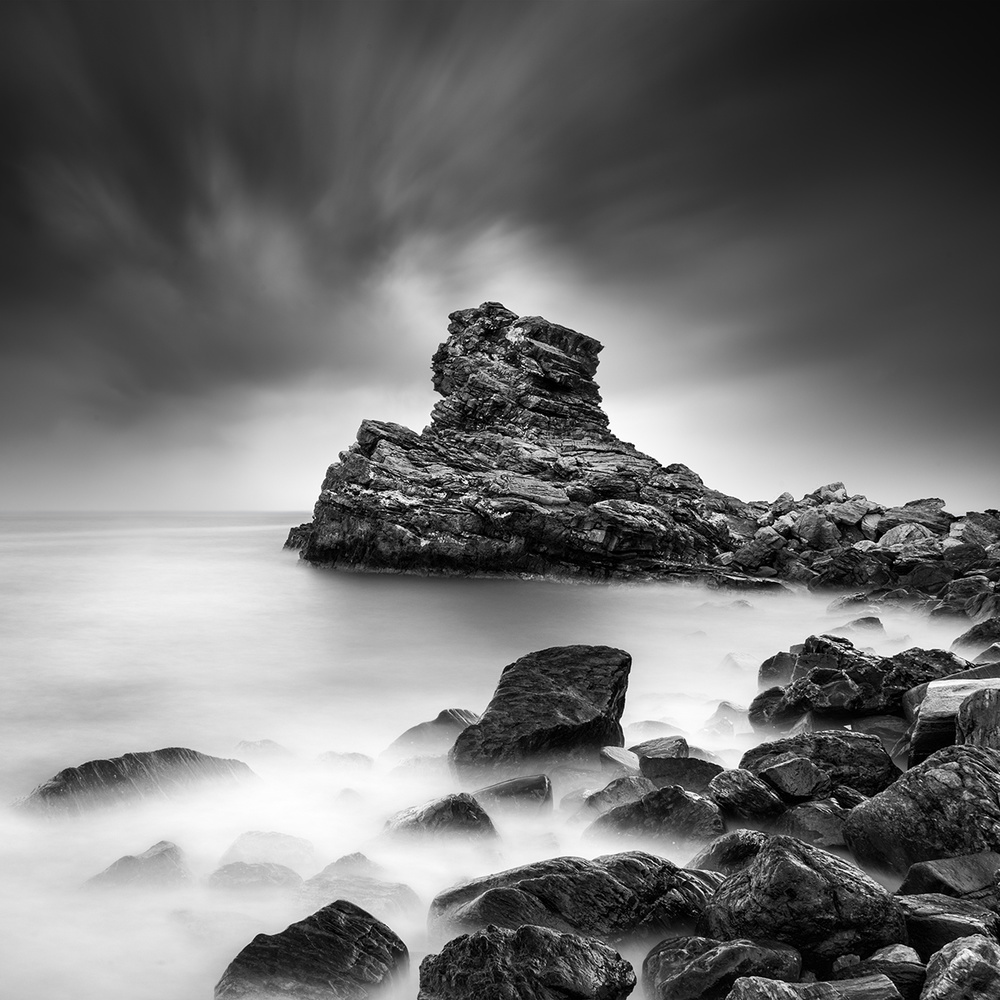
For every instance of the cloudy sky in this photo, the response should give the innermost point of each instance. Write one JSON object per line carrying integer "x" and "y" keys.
{"x": 232, "y": 230}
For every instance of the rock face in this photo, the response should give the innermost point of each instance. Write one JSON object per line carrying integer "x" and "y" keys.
{"x": 805, "y": 897}
{"x": 452, "y": 815}
{"x": 561, "y": 702}
{"x": 338, "y": 953}
{"x": 530, "y": 963}
{"x": 155, "y": 774}
{"x": 967, "y": 967}
{"x": 946, "y": 806}
{"x": 612, "y": 897}
{"x": 669, "y": 816}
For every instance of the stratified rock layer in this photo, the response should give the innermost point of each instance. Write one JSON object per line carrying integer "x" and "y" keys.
{"x": 518, "y": 474}
{"x": 151, "y": 774}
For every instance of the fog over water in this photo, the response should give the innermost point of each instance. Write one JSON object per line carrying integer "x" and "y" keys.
{"x": 138, "y": 631}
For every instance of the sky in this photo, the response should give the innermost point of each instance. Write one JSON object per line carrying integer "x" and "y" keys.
{"x": 230, "y": 231}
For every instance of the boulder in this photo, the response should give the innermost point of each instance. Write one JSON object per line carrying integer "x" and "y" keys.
{"x": 690, "y": 773}
{"x": 963, "y": 969}
{"x": 532, "y": 793}
{"x": 338, "y": 953}
{"x": 698, "y": 968}
{"x": 618, "y": 760}
{"x": 162, "y": 866}
{"x": 557, "y": 703}
{"x": 670, "y": 816}
{"x": 529, "y": 963}
{"x": 977, "y": 721}
{"x": 614, "y": 897}
{"x": 820, "y": 823}
{"x": 616, "y": 793}
{"x": 846, "y": 758}
{"x": 742, "y": 796}
{"x": 258, "y": 876}
{"x": 257, "y": 846}
{"x": 730, "y": 853}
{"x": 873, "y": 987}
{"x": 933, "y": 920}
{"x": 935, "y": 725}
{"x": 433, "y": 737}
{"x": 898, "y": 963}
{"x": 967, "y": 876}
{"x": 458, "y": 814}
{"x": 981, "y": 636}
{"x": 946, "y": 806}
{"x": 804, "y": 896}
{"x": 153, "y": 774}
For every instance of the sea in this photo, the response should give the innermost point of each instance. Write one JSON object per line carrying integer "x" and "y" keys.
{"x": 125, "y": 632}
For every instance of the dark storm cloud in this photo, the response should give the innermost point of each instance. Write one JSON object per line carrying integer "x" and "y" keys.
{"x": 197, "y": 196}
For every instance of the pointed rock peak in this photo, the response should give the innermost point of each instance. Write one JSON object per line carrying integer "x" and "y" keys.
{"x": 498, "y": 370}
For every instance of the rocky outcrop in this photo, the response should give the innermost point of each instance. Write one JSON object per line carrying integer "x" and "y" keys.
{"x": 338, "y": 953}
{"x": 518, "y": 474}
{"x": 530, "y": 963}
{"x": 613, "y": 898}
{"x": 153, "y": 774}
{"x": 808, "y": 898}
{"x": 557, "y": 703}
{"x": 946, "y": 806}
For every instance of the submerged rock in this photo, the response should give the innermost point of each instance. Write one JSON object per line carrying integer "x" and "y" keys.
{"x": 153, "y": 774}
{"x": 614, "y": 897}
{"x": 161, "y": 866}
{"x": 557, "y": 703}
{"x": 338, "y": 953}
{"x": 529, "y": 963}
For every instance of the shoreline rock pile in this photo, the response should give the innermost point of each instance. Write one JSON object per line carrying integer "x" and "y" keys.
{"x": 518, "y": 474}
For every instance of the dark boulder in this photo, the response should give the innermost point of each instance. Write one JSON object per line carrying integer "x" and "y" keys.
{"x": 690, "y": 773}
{"x": 529, "y": 963}
{"x": 730, "y": 853}
{"x": 847, "y": 758}
{"x": 898, "y": 963}
{"x": 161, "y": 866}
{"x": 977, "y": 721}
{"x": 872, "y": 987}
{"x": 258, "y": 876}
{"x": 808, "y": 898}
{"x": 965, "y": 969}
{"x": 946, "y": 806}
{"x": 669, "y": 816}
{"x": 153, "y": 774}
{"x": 981, "y": 636}
{"x": 615, "y": 793}
{"x": 967, "y": 876}
{"x": 935, "y": 725}
{"x": 742, "y": 796}
{"x": 452, "y": 815}
{"x": 532, "y": 793}
{"x": 933, "y": 920}
{"x": 698, "y": 968}
{"x": 614, "y": 898}
{"x": 820, "y": 823}
{"x": 557, "y": 703}
{"x": 338, "y": 953}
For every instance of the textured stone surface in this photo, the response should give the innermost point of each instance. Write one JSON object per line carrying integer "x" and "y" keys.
{"x": 153, "y": 774}
{"x": 872, "y": 987}
{"x": 458, "y": 814}
{"x": 699, "y": 968}
{"x": 560, "y": 702}
{"x": 669, "y": 816}
{"x": 933, "y": 920}
{"x": 944, "y": 807}
{"x": 965, "y": 969}
{"x": 338, "y": 953}
{"x": 731, "y": 852}
{"x": 743, "y": 796}
{"x": 613, "y": 898}
{"x": 531, "y": 792}
{"x": 529, "y": 963}
{"x": 964, "y": 876}
{"x": 808, "y": 898}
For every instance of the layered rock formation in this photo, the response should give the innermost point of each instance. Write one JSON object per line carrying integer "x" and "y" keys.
{"x": 518, "y": 474}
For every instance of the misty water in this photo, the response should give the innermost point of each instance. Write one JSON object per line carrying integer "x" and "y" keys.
{"x": 137, "y": 631}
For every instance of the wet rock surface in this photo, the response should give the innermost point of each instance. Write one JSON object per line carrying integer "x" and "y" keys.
{"x": 670, "y": 816}
{"x": 529, "y": 963}
{"x": 557, "y": 703}
{"x": 614, "y": 897}
{"x": 965, "y": 968}
{"x": 338, "y": 953}
{"x": 150, "y": 774}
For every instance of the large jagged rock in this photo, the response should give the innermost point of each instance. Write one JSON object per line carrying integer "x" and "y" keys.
{"x": 338, "y": 953}
{"x": 946, "y": 806}
{"x": 565, "y": 701}
{"x": 965, "y": 968}
{"x": 613, "y": 898}
{"x": 530, "y": 963}
{"x": 518, "y": 474}
{"x": 808, "y": 898}
{"x": 153, "y": 774}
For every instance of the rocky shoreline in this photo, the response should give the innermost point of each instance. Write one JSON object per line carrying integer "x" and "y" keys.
{"x": 518, "y": 474}
{"x": 845, "y": 856}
